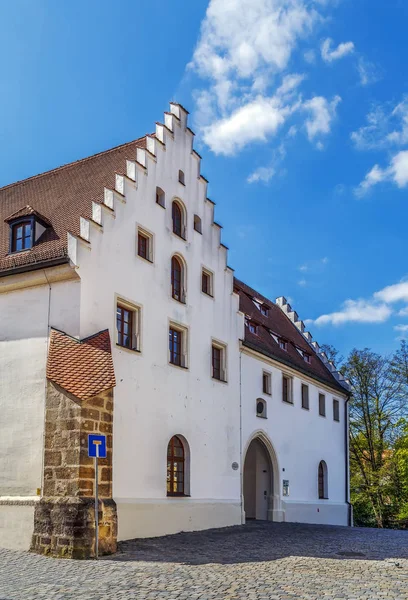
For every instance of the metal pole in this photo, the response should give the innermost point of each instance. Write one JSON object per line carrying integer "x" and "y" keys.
{"x": 96, "y": 502}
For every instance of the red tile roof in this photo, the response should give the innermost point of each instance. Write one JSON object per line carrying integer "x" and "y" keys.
{"x": 83, "y": 368}
{"x": 279, "y": 324}
{"x": 60, "y": 196}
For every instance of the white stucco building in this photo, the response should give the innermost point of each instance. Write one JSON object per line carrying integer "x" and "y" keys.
{"x": 224, "y": 408}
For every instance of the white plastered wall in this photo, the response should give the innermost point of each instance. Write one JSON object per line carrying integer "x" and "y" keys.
{"x": 300, "y": 439}
{"x": 153, "y": 399}
{"x": 25, "y": 317}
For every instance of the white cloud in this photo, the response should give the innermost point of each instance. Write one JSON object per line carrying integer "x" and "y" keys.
{"x": 322, "y": 114}
{"x": 357, "y": 311}
{"x": 329, "y": 55}
{"x": 393, "y": 293}
{"x": 263, "y": 174}
{"x": 387, "y": 126}
{"x": 243, "y": 50}
{"x": 302, "y": 282}
{"x": 376, "y": 309}
{"x": 396, "y": 172}
{"x": 310, "y": 56}
{"x": 368, "y": 72}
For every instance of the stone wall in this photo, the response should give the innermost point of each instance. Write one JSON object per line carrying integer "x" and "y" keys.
{"x": 64, "y": 522}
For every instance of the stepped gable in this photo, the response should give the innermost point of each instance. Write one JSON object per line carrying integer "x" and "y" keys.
{"x": 83, "y": 368}
{"x": 60, "y": 197}
{"x": 278, "y": 323}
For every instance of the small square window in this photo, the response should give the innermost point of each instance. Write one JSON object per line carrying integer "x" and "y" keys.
{"x": 253, "y": 327}
{"x": 283, "y": 344}
{"x": 322, "y": 405}
{"x": 207, "y": 282}
{"x": 128, "y": 319}
{"x": 219, "y": 361}
{"x": 336, "y": 410}
{"x": 145, "y": 244}
{"x": 178, "y": 345}
{"x": 307, "y": 358}
{"x": 266, "y": 383}
{"x": 181, "y": 177}
{"x": 160, "y": 197}
{"x": 197, "y": 224}
{"x": 287, "y": 389}
{"x": 264, "y": 310}
{"x": 305, "y": 396}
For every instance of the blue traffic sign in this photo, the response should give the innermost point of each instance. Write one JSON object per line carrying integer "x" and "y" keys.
{"x": 97, "y": 442}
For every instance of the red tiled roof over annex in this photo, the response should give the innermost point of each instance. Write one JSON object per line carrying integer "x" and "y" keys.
{"x": 277, "y": 322}
{"x": 60, "y": 197}
{"x": 82, "y": 368}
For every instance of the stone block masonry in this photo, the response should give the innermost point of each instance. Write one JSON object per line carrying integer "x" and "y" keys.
{"x": 64, "y": 523}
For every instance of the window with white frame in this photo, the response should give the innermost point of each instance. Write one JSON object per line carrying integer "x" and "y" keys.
{"x": 178, "y": 345}
{"x": 266, "y": 383}
{"x": 322, "y": 405}
{"x": 219, "y": 361}
{"x": 145, "y": 244}
{"x": 207, "y": 282}
{"x": 305, "y": 396}
{"x": 287, "y": 382}
{"x": 160, "y": 197}
{"x": 128, "y": 325}
{"x": 336, "y": 410}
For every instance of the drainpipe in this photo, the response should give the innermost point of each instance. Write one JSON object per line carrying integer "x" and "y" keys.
{"x": 240, "y": 438}
{"x": 45, "y": 381}
{"x": 347, "y": 462}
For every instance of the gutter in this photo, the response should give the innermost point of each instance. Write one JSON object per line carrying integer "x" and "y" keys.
{"x": 347, "y": 464}
{"x": 52, "y": 262}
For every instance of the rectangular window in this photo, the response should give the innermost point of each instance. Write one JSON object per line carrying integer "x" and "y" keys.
{"x": 287, "y": 389}
{"x": 336, "y": 410}
{"x": 128, "y": 326}
{"x": 253, "y": 328}
{"x": 264, "y": 310}
{"x": 178, "y": 346}
{"x": 266, "y": 383}
{"x": 207, "y": 282}
{"x": 282, "y": 344}
{"x": 322, "y": 405}
{"x": 305, "y": 396}
{"x": 160, "y": 197}
{"x": 219, "y": 362}
{"x": 145, "y": 244}
{"x": 307, "y": 358}
{"x": 181, "y": 177}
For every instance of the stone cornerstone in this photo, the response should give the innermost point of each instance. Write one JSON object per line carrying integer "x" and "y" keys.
{"x": 64, "y": 524}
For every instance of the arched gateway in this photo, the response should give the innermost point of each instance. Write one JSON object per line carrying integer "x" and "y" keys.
{"x": 261, "y": 481}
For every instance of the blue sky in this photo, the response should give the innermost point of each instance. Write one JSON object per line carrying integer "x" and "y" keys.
{"x": 301, "y": 113}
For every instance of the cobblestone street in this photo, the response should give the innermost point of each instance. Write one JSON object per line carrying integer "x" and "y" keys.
{"x": 258, "y": 561}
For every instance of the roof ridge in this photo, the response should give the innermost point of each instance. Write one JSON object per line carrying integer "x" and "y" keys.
{"x": 70, "y": 164}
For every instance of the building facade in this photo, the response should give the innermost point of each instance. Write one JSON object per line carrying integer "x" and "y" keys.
{"x": 120, "y": 315}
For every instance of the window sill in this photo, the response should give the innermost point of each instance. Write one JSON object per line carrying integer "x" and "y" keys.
{"x": 323, "y": 498}
{"x": 178, "y": 495}
{"x": 200, "y": 232}
{"x": 145, "y": 259}
{"x": 180, "y": 237}
{"x": 162, "y": 205}
{"x": 290, "y": 402}
{"x": 261, "y": 417}
{"x": 182, "y": 183}
{"x": 178, "y": 366}
{"x": 133, "y": 350}
{"x": 305, "y": 407}
{"x": 267, "y": 394}
{"x": 208, "y": 295}
{"x": 179, "y": 301}
{"x": 324, "y": 416}
{"x": 219, "y": 380}
{"x": 336, "y": 420}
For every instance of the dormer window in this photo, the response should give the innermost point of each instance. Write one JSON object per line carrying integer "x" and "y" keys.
{"x": 283, "y": 344}
{"x": 22, "y": 236}
{"x": 26, "y": 228}
{"x": 253, "y": 327}
{"x": 264, "y": 310}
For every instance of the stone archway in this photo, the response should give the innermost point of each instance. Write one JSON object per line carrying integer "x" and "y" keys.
{"x": 260, "y": 485}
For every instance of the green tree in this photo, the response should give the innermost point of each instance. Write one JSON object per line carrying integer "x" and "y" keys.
{"x": 375, "y": 415}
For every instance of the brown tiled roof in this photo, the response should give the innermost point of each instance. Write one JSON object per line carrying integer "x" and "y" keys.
{"x": 27, "y": 211}
{"x": 60, "y": 196}
{"x": 278, "y": 323}
{"x": 83, "y": 368}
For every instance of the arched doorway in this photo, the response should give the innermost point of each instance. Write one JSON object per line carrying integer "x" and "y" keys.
{"x": 258, "y": 481}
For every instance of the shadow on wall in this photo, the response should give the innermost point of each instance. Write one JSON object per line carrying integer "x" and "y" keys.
{"x": 265, "y": 541}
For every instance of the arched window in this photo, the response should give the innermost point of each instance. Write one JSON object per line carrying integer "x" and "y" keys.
{"x": 178, "y": 220}
{"x": 176, "y": 468}
{"x": 322, "y": 481}
{"x": 177, "y": 279}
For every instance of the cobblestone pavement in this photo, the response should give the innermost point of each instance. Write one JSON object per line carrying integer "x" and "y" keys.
{"x": 258, "y": 561}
